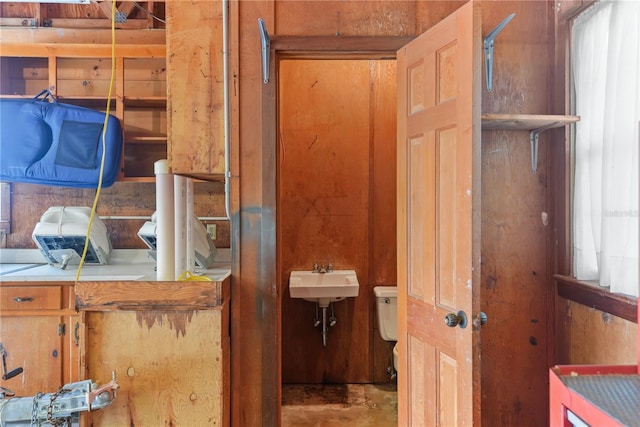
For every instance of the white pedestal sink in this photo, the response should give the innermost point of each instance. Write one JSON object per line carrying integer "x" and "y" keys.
{"x": 323, "y": 288}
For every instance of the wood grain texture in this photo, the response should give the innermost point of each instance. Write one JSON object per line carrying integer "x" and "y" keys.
{"x": 62, "y": 16}
{"x": 83, "y": 36}
{"x": 165, "y": 377}
{"x": 516, "y": 291}
{"x": 594, "y": 296}
{"x": 38, "y": 335}
{"x": 123, "y": 199}
{"x": 324, "y": 212}
{"x": 31, "y": 298}
{"x": 195, "y": 89}
{"x": 108, "y": 296}
{"x": 597, "y": 337}
{"x": 33, "y": 343}
{"x": 525, "y": 121}
{"x": 344, "y": 18}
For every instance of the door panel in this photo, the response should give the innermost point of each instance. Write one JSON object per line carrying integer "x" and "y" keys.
{"x": 438, "y": 238}
{"x": 34, "y": 344}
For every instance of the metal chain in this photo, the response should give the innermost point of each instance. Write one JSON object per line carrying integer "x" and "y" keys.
{"x": 50, "y": 419}
{"x": 34, "y": 410}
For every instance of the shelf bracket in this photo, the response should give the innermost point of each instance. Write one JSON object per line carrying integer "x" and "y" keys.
{"x": 266, "y": 49}
{"x": 488, "y": 49}
{"x": 533, "y": 139}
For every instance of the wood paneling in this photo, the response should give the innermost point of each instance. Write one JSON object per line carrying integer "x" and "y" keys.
{"x": 30, "y": 201}
{"x": 326, "y": 163}
{"x": 596, "y": 337}
{"x": 342, "y": 18}
{"x": 516, "y": 293}
{"x": 43, "y": 14}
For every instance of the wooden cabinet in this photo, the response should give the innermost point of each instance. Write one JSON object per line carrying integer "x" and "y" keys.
{"x": 82, "y": 75}
{"x": 196, "y": 90}
{"x": 38, "y": 330}
{"x": 169, "y": 345}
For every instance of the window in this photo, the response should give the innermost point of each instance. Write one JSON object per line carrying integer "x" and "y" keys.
{"x": 606, "y": 78}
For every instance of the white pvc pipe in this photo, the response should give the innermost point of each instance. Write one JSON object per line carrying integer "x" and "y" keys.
{"x": 147, "y": 217}
{"x": 180, "y": 221}
{"x": 190, "y": 255}
{"x": 165, "y": 268}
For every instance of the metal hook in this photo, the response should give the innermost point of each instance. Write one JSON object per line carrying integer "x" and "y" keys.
{"x": 266, "y": 49}
{"x": 488, "y": 49}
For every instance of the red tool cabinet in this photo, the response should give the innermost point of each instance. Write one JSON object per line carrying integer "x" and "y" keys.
{"x": 594, "y": 395}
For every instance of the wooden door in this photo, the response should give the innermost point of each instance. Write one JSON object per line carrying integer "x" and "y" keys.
{"x": 438, "y": 219}
{"x": 34, "y": 344}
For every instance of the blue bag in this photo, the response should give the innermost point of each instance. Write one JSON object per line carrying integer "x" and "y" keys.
{"x": 52, "y": 143}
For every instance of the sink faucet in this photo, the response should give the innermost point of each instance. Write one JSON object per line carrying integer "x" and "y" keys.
{"x": 322, "y": 268}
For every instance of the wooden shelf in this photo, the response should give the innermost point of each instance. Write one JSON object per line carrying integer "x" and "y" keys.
{"x": 534, "y": 123}
{"x": 82, "y": 50}
{"x": 145, "y": 102}
{"x": 525, "y": 121}
{"x": 5, "y": 96}
{"x": 147, "y": 139}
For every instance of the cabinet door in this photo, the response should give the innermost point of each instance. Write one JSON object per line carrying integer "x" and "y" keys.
{"x": 195, "y": 117}
{"x": 35, "y": 344}
{"x": 173, "y": 366}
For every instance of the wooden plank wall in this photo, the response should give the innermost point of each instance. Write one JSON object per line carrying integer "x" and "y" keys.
{"x": 94, "y": 15}
{"x": 123, "y": 199}
{"x": 594, "y": 337}
{"x": 516, "y": 291}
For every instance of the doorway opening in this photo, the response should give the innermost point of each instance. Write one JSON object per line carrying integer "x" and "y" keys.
{"x": 336, "y": 144}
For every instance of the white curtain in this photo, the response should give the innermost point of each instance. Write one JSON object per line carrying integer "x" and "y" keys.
{"x": 606, "y": 75}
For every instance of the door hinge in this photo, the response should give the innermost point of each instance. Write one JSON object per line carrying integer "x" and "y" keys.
{"x": 62, "y": 329}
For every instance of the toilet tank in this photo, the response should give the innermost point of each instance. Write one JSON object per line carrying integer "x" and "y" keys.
{"x": 387, "y": 311}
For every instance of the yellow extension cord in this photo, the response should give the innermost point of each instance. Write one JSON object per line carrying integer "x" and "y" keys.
{"x": 187, "y": 275}
{"x": 104, "y": 138}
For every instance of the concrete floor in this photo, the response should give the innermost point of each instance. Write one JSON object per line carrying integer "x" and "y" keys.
{"x": 339, "y": 405}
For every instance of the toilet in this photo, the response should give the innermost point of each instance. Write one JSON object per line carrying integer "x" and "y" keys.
{"x": 387, "y": 313}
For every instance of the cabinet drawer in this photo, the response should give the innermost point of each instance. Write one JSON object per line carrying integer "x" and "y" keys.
{"x": 30, "y": 297}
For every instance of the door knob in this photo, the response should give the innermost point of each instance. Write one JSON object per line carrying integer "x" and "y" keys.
{"x": 452, "y": 319}
{"x": 483, "y": 318}
{"x": 479, "y": 320}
